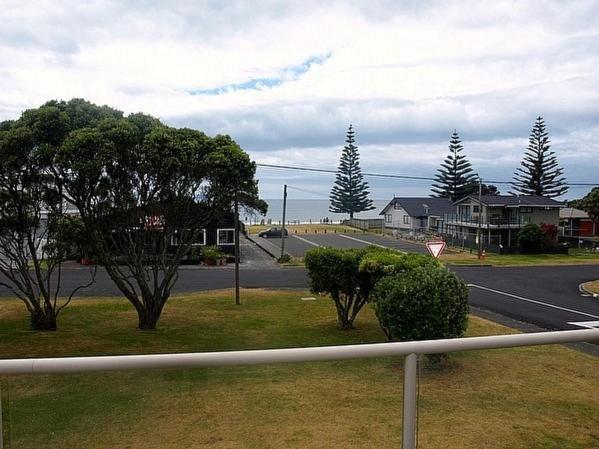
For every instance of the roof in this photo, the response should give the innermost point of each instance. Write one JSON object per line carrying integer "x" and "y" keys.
{"x": 570, "y": 212}
{"x": 515, "y": 200}
{"x": 423, "y": 206}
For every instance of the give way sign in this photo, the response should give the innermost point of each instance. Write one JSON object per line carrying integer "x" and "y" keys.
{"x": 435, "y": 247}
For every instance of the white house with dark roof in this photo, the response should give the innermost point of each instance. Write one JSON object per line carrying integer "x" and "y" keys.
{"x": 501, "y": 217}
{"x": 416, "y": 215}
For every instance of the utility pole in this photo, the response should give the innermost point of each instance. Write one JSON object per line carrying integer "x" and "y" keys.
{"x": 236, "y": 218}
{"x": 283, "y": 228}
{"x": 480, "y": 213}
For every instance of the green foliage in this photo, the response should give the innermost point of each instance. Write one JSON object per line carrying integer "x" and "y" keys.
{"x": 590, "y": 203}
{"x": 349, "y": 275}
{"x": 212, "y": 253}
{"x": 285, "y": 258}
{"x": 349, "y": 194}
{"x": 232, "y": 177}
{"x": 455, "y": 179}
{"x": 539, "y": 173}
{"x": 422, "y": 304}
{"x": 531, "y": 238}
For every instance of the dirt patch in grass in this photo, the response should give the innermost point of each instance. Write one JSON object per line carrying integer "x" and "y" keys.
{"x": 538, "y": 397}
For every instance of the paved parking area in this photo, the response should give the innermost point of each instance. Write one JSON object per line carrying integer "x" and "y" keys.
{"x": 297, "y": 244}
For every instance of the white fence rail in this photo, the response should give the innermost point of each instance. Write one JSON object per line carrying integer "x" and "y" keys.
{"x": 409, "y": 349}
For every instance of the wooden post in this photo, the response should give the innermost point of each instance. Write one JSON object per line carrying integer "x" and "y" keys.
{"x": 283, "y": 228}
{"x": 236, "y": 218}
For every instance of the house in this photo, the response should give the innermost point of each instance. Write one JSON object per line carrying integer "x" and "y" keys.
{"x": 416, "y": 215}
{"x": 577, "y": 223}
{"x": 501, "y": 217}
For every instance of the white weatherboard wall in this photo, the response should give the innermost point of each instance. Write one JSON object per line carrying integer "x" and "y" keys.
{"x": 397, "y": 219}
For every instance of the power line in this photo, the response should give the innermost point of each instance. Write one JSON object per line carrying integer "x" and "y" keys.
{"x": 393, "y": 176}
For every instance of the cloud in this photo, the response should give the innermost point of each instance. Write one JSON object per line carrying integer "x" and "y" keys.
{"x": 285, "y": 80}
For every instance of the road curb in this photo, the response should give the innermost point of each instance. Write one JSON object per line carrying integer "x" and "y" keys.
{"x": 259, "y": 245}
{"x": 584, "y": 291}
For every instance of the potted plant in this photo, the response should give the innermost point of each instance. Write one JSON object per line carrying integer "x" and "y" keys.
{"x": 213, "y": 255}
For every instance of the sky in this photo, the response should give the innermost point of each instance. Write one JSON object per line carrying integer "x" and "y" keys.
{"x": 285, "y": 79}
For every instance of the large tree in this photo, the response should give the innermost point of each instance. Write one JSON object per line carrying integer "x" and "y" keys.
{"x": 539, "y": 173}
{"x": 455, "y": 178}
{"x": 349, "y": 194}
{"x": 35, "y": 231}
{"x": 141, "y": 189}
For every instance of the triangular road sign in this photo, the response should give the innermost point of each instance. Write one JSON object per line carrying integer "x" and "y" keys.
{"x": 435, "y": 247}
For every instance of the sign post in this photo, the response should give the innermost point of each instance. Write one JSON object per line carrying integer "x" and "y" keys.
{"x": 435, "y": 248}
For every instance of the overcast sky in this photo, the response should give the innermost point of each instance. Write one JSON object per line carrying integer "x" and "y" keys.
{"x": 285, "y": 79}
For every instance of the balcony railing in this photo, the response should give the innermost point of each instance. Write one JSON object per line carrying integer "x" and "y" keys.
{"x": 410, "y": 350}
{"x": 469, "y": 220}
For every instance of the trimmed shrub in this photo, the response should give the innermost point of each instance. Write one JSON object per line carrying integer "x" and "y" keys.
{"x": 531, "y": 238}
{"x": 425, "y": 303}
{"x": 349, "y": 275}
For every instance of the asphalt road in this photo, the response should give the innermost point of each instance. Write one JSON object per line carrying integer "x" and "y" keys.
{"x": 298, "y": 244}
{"x": 545, "y": 296}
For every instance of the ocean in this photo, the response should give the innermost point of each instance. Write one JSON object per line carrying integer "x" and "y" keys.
{"x": 306, "y": 211}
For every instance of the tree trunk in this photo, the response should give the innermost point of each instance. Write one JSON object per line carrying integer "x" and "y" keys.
{"x": 148, "y": 319}
{"x": 43, "y": 320}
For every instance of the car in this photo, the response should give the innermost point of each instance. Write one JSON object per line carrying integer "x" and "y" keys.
{"x": 272, "y": 232}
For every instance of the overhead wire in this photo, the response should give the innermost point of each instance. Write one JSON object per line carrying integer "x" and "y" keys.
{"x": 398, "y": 176}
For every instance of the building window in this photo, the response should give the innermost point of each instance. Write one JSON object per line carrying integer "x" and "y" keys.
{"x": 475, "y": 209}
{"x": 225, "y": 237}
{"x": 396, "y": 206}
{"x": 526, "y": 210}
{"x": 388, "y": 218}
{"x": 406, "y": 219}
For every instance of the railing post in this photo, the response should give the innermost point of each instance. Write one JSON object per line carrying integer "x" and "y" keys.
{"x": 410, "y": 381}
{"x": 1, "y": 428}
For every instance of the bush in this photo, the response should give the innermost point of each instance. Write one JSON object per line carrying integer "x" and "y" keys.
{"x": 425, "y": 303}
{"x": 349, "y": 275}
{"x": 285, "y": 258}
{"x": 212, "y": 253}
{"x": 531, "y": 238}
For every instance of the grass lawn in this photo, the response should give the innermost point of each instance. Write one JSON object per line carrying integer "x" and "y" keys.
{"x": 528, "y": 398}
{"x": 305, "y": 228}
{"x": 576, "y": 257}
{"x": 592, "y": 286}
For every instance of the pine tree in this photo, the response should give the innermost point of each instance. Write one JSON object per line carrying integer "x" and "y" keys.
{"x": 454, "y": 179}
{"x": 349, "y": 194}
{"x": 540, "y": 173}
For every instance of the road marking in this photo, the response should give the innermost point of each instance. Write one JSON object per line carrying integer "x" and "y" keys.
{"x": 586, "y": 324}
{"x": 368, "y": 243}
{"x": 306, "y": 241}
{"x": 533, "y": 301}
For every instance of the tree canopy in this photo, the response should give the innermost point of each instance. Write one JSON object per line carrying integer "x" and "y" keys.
{"x": 539, "y": 173}
{"x": 455, "y": 178}
{"x": 349, "y": 194}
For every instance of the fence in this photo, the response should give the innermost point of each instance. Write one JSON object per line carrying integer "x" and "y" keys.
{"x": 410, "y": 350}
{"x": 365, "y": 224}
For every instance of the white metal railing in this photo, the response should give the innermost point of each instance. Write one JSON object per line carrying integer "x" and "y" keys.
{"x": 410, "y": 349}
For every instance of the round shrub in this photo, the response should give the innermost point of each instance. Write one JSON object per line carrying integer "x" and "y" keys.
{"x": 531, "y": 238}
{"x": 426, "y": 303}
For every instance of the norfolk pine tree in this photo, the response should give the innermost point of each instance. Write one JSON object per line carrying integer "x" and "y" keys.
{"x": 349, "y": 194}
{"x": 454, "y": 179}
{"x": 539, "y": 173}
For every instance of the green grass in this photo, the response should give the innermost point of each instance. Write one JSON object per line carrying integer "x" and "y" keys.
{"x": 575, "y": 257}
{"x": 542, "y": 397}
